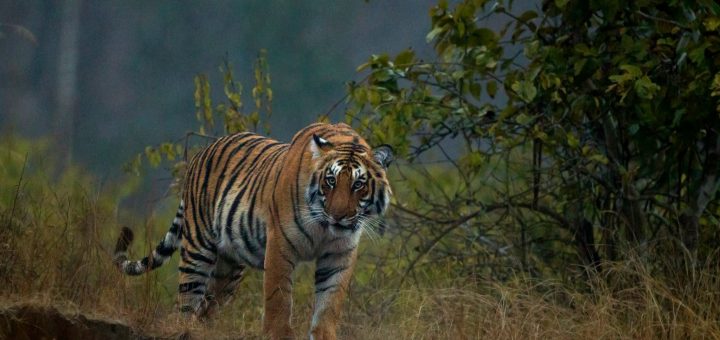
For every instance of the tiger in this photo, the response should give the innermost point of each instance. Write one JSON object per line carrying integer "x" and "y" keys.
{"x": 252, "y": 201}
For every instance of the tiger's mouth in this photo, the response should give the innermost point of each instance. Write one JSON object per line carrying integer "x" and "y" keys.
{"x": 319, "y": 215}
{"x": 351, "y": 225}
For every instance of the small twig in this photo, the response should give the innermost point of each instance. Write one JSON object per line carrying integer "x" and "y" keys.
{"x": 343, "y": 98}
{"x": 667, "y": 21}
{"x": 191, "y": 133}
{"x": 187, "y": 139}
{"x": 335, "y": 105}
{"x": 17, "y": 192}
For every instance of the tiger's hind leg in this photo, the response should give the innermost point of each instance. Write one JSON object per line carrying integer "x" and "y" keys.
{"x": 196, "y": 267}
{"x": 223, "y": 284}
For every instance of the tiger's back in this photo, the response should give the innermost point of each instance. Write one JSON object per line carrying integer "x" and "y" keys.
{"x": 230, "y": 183}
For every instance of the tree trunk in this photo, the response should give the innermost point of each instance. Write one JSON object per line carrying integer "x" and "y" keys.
{"x": 628, "y": 204}
{"x": 585, "y": 241}
{"x": 703, "y": 193}
{"x": 66, "y": 90}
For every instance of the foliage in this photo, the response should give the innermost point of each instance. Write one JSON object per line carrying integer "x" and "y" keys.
{"x": 553, "y": 142}
{"x": 586, "y": 131}
{"x": 57, "y": 232}
{"x": 53, "y": 225}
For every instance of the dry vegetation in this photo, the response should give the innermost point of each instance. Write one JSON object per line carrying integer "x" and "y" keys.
{"x": 54, "y": 260}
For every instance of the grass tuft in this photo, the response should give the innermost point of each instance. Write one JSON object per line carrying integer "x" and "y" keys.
{"x": 56, "y": 250}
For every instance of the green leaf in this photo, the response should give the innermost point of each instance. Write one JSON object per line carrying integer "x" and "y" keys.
{"x": 531, "y": 49}
{"x": 631, "y": 72}
{"x": 379, "y": 60}
{"x": 584, "y": 50}
{"x": 486, "y": 36}
{"x": 634, "y": 71}
{"x": 435, "y": 31}
{"x": 633, "y": 129}
{"x": 472, "y": 160}
{"x": 524, "y": 119}
{"x": 711, "y": 23}
{"x": 572, "y": 141}
{"x": 362, "y": 67}
{"x": 645, "y": 88}
{"x": 381, "y": 75}
{"x": 485, "y": 59}
{"x": 527, "y": 16}
{"x": 153, "y": 156}
{"x": 461, "y": 28}
{"x": 373, "y": 97}
{"x": 491, "y": 88}
{"x": 578, "y": 66}
{"x": 715, "y": 86}
{"x": 169, "y": 150}
{"x": 133, "y": 166}
{"x": 599, "y": 158}
{"x": 677, "y": 116}
{"x": 525, "y": 90}
{"x": 405, "y": 58}
{"x": 697, "y": 55}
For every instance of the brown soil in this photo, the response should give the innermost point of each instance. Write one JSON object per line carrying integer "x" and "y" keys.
{"x": 43, "y": 322}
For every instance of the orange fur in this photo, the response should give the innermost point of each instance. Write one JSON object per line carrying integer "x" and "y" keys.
{"x": 253, "y": 201}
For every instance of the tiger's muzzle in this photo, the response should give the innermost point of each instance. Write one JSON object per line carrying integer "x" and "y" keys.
{"x": 343, "y": 223}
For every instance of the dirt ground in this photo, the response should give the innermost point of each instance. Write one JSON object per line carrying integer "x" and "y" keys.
{"x": 44, "y": 322}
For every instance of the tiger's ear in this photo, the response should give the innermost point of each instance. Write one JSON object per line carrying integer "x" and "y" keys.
{"x": 384, "y": 155}
{"x": 319, "y": 146}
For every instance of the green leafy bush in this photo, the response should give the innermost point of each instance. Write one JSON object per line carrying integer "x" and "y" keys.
{"x": 578, "y": 133}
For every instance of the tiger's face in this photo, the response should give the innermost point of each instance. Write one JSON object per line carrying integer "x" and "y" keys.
{"x": 349, "y": 189}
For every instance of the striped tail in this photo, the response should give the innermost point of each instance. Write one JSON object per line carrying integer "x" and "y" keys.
{"x": 162, "y": 252}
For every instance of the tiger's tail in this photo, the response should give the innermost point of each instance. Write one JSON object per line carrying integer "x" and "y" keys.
{"x": 162, "y": 252}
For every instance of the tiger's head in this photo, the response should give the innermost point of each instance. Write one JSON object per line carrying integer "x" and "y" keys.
{"x": 349, "y": 189}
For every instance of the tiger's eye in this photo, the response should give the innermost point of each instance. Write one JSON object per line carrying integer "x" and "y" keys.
{"x": 330, "y": 181}
{"x": 358, "y": 185}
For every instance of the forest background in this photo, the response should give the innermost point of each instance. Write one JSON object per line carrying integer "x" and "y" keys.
{"x": 558, "y": 160}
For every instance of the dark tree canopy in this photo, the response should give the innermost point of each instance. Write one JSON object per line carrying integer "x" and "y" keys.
{"x": 586, "y": 130}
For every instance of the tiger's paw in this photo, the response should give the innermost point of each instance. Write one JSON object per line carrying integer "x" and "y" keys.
{"x": 322, "y": 333}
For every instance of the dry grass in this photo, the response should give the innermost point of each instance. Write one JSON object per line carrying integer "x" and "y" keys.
{"x": 54, "y": 251}
{"x": 649, "y": 309}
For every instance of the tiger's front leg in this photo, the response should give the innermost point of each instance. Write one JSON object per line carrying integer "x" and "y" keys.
{"x": 332, "y": 279}
{"x": 277, "y": 288}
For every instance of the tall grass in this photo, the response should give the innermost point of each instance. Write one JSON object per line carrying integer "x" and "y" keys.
{"x": 57, "y": 231}
{"x": 627, "y": 302}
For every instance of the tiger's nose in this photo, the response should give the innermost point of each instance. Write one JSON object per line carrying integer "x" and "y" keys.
{"x": 339, "y": 217}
